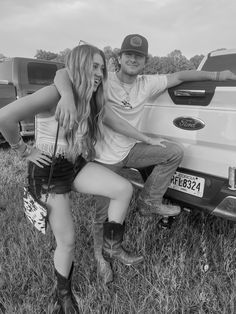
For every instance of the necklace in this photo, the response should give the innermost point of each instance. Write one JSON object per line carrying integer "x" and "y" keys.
{"x": 126, "y": 102}
{"x": 127, "y": 92}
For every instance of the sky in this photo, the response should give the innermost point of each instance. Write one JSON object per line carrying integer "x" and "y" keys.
{"x": 192, "y": 26}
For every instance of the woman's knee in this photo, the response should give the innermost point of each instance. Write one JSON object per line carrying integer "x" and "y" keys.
{"x": 125, "y": 190}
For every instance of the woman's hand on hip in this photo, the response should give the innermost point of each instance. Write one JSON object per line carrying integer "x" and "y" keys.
{"x": 39, "y": 158}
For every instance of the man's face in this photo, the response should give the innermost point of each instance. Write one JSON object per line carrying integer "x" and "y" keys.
{"x": 132, "y": 63}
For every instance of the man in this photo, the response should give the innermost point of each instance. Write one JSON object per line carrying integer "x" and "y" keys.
{"x": 127, "y": 94}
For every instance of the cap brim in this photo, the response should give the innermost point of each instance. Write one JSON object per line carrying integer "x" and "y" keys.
{"x": 135, "y": 51}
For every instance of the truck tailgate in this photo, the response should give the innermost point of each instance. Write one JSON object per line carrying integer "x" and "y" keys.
{"x": 205, "y": 123}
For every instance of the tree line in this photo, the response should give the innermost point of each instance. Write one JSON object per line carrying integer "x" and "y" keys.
{"x": 173, "y": 62}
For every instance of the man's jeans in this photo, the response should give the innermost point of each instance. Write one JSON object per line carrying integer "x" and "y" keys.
{"x": 166, "y": 160}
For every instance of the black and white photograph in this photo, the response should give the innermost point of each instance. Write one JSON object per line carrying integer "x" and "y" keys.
{"x": 117, "y": 157}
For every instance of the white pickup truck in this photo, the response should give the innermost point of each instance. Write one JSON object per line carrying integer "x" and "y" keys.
{"x": 201, "y": 116}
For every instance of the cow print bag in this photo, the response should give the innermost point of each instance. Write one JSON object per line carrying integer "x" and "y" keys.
{"x": 35, "y": 210}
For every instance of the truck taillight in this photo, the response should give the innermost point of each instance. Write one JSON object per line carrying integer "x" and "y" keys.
{"x": 232, "y": 178}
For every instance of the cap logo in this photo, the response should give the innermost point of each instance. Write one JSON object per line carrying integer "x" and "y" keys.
{"x": 136, "y": 41}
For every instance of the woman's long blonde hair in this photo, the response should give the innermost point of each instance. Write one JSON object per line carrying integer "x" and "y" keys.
{"x": 89, "y": 104}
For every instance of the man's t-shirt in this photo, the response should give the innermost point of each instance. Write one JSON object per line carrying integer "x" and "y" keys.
{"x": 127, "y": 101}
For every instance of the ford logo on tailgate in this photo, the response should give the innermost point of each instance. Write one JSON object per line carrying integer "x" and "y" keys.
{"x": 188, "y": 123}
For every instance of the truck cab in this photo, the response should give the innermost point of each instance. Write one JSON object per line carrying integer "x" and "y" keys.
{"x": 7, "y": 95}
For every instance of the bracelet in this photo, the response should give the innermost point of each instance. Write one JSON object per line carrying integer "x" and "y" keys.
{"x": 17, "y": 145}
{"x": 26, "y": 152}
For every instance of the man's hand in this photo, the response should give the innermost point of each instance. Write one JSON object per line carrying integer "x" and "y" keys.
{"x": 153, "y": 139}
{"x": 156, "y": 142}
{"x": 66, "y": 113}
{"x": 226, "y": 75}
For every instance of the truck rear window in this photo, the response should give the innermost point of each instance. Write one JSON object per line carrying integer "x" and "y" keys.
{"x": 40, "y": 73}
{"x": 220, "y": 63}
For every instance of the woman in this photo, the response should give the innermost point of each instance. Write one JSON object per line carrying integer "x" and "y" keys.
{"x": 87, "y": 69}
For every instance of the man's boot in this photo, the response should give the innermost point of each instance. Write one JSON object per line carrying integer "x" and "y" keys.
{"x": 104, "y": 270}
{"x": 112, "y": 248}
{"x": 166, "y": 210}
{"x": 65, "y": 299}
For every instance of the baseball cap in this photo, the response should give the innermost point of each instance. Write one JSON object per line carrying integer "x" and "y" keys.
{"x": 135, "y": 43}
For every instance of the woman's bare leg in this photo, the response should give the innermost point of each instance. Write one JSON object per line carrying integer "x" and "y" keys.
{"x": 98, "y": 180}
{"x": 61, "y": 222}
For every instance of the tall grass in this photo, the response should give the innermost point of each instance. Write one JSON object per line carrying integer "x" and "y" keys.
{"x": 171, "y": 279}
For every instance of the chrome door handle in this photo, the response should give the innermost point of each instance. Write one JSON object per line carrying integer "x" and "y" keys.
{"x": 190, "y": 93}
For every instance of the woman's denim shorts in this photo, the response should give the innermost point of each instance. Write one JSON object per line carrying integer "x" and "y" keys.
{"x": 64, "y": 173}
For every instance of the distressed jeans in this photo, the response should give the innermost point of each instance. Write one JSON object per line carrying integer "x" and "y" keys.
{"x": 165, "y": 161}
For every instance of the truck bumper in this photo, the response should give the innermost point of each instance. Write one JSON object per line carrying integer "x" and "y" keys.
{"x": 218, "y": 199}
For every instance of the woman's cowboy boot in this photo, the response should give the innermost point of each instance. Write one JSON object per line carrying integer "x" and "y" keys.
{"x": 104, "y": 270}
{"x": 65, "y": 298}
{"x": 112, "y": 248}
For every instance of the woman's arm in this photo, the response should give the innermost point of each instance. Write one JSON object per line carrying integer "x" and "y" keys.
{"x": 122, "y": 126}
{"x": 66, "y": 112}
{"x": 44, "y": 100}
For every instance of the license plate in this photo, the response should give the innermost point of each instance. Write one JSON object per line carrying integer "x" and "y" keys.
{"x": 187, "y": 184}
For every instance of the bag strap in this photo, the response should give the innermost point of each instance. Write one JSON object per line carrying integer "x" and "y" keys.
{"x": 52, "y": 164}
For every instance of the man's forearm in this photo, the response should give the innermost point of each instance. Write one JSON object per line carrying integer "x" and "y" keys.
{"x": 193, "y": 75}
{"x": 123, "y": 127}
{"x": 63, "y": 84}
{"x": 66, "y": 112}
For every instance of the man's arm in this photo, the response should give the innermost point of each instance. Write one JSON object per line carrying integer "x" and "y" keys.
{"x": 66, "y": 112}
{"x": 122, "y": 126}
{"x": 193, "y": 75}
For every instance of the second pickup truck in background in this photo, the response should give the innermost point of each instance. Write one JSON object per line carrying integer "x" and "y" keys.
{"x": 25, "y": 76}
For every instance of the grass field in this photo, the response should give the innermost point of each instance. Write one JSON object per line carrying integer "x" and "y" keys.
{"x": 171, "y": 280}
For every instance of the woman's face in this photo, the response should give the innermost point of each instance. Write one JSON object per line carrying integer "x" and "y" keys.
{"x": 98, "y": 70}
